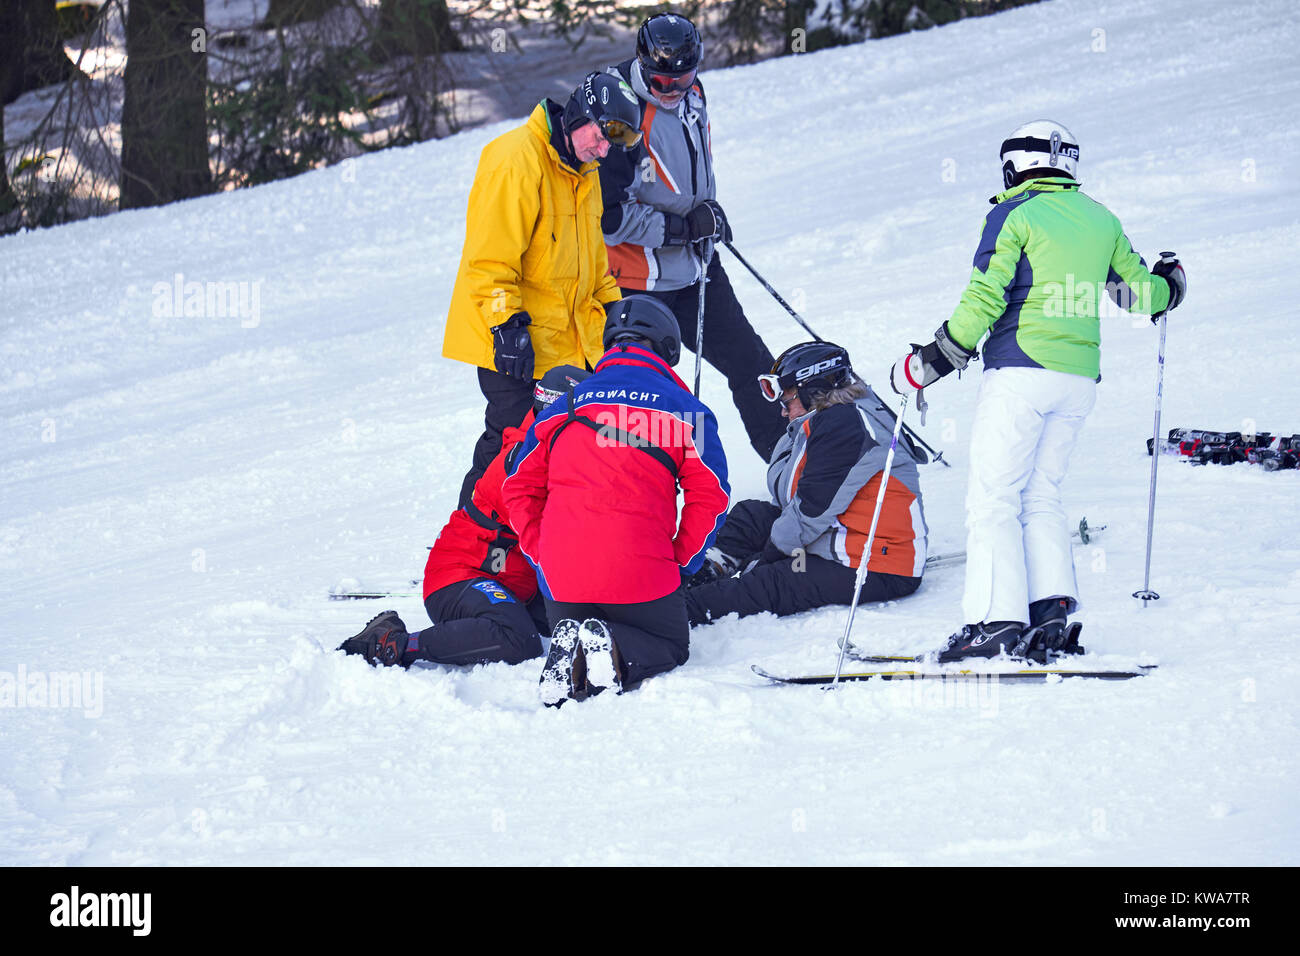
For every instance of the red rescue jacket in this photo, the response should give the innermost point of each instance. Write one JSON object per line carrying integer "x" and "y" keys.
{"x": 597, "y": 516}
{"x": 478, "y": 541}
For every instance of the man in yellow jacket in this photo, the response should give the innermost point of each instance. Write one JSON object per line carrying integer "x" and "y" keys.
{"x": 534, "y": 278}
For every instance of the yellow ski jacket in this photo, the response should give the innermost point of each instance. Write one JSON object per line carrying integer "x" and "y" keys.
{"x": 533, "y": 244}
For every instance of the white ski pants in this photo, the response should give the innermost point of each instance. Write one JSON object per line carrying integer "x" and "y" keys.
{"x": 1017, "y": 540}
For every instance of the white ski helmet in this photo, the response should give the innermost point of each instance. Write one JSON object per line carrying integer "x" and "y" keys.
{"x": 1042, "y": 143}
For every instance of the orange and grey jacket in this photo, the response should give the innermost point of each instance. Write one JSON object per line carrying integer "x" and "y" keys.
{"x": 670, "y": 171}
{"x": 825, "y": 475}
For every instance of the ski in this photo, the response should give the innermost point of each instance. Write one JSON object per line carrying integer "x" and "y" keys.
{"x": 362, "y": 594}
{"x": 1084, "y": 534}
{"x": 370, "y": 595}
{"x": 1072, "y": 640}
{"x": 1025, "y": 674}
{"x": 1202, "y": 447}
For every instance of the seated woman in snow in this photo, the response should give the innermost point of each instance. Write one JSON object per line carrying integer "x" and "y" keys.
{"x": 801, "y": 550}
{"x": 480, "y": 592}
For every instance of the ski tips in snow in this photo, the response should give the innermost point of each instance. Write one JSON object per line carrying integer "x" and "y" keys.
{"x": 369, "y": 595}
{"x": 350, "y": 589}
{"x": 1025, "y": 674}
{"x": 1084, "y": 534}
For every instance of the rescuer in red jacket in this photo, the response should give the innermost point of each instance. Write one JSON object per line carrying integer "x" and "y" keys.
{"x": 593, "y": 496}
{"x": 480, "y": 592}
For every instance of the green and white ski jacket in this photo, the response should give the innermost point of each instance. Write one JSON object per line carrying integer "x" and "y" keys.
{"x": 1047, "y": 254}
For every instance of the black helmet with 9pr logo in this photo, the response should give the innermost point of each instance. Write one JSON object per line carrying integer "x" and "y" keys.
{"x": 644, "y": 317}
{"x": 809, "y": 368}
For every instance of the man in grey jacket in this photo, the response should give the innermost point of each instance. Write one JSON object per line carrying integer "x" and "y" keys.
{"x": 801, "y": 549}
{"x": 662, "y": 218}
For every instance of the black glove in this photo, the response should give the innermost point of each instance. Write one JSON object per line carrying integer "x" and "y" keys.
{"x": 512, "y": 347}
{"x": 708, "y": 221}
{"x": 705, "y": 221}
{"x": 1171, "y": 270}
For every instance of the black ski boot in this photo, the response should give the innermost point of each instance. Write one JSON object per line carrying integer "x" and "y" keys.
{"x": 600, "y": 657}
{"x": 1048, "y": 634}
{"x": 382, "y": 641}
{"x": 557, "y": 683}
{"x": 717, "y": 566}
{"x": 986, "y": 639}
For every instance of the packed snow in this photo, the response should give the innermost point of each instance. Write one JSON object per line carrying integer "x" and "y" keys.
{"x": 181, "y": 491}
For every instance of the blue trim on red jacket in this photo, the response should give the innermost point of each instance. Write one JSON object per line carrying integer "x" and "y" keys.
{"x": 639, "y": 380}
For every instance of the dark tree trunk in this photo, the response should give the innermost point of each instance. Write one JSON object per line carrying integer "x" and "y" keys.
{"x": 31, "y": 51}
{"x": 413, "y": 28}
{"x": 164, "y": 133}
{"x": 10, "y": 214}
{"x": 286, "y": 12}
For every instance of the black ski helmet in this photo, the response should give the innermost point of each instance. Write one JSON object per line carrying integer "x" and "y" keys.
{"x": 607, "y": 101}
{"x": 810, "y": 368}
{"x": 669, "y": 45}
{"x": 555, "y": 383}
{"x": 644, "y": 317}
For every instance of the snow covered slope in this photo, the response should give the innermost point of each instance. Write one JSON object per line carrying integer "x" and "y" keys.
{"x": 178, "y": 493}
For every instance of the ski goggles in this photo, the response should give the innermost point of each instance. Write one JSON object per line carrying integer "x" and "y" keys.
{"x": 661, "y": 84}
{"x": 619, "y": 133}
{"x": 544, "y": 396}
{"x": 770, "y": 385}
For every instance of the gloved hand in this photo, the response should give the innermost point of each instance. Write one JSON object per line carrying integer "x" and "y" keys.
{"x": 705, "y": 221}
{"x": 927, "y": 364}
{"x": 708, "y": 221}
{"x": 512, "y": 347}
{"x": 1171, "y": 270}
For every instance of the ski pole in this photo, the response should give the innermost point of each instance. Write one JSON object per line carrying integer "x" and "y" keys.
{"x": 776, "y": 295}
{"x": 706, "y": 258}
{"x": 911, "y": 433}
{"x": 1146, "y": 594}
{"x": 871, "y": 538}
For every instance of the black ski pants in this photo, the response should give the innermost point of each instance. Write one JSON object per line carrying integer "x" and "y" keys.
{"x": 788, "y": 585}
{"x": 732, "y": 347}
{"x": 508, "y": 401}
{"x": 479, "y": 621}
{"x": 650, "y": 637}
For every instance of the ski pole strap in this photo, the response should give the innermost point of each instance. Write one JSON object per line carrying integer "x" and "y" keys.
{"x": 504, "y": 540}
{"x": 477, "y": 515}
{"x": 615, "y": 434}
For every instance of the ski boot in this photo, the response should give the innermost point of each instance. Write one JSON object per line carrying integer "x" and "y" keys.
{"x": 986, "y": 639}
{"x": 382, "y": 641}
{"x": 717, "y": 566}
{"x": 600, "y": 658}
{"x": 557, "y": 680}
{"x": 1048, "y": 634}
